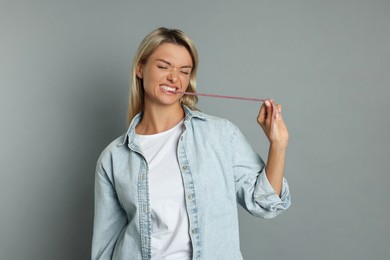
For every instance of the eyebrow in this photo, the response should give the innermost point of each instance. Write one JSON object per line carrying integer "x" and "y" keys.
{"x": 170, "y": 64}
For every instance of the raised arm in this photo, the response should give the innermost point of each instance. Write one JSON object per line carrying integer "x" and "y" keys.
{"x": 278, "y": 138}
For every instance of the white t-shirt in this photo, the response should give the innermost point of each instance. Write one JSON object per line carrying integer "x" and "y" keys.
{"x": 170, "y": 226}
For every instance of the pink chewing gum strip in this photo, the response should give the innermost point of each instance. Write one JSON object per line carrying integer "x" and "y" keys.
{"x": 235, "y": 97}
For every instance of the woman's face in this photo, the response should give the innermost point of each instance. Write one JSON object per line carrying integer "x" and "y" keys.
{"x": 168, "y": 68}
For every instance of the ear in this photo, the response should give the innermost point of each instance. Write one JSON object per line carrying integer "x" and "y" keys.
{"x": 139, "y": 71}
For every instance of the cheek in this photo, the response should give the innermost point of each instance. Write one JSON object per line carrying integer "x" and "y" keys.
{"x": 185, "y": 81}
{"x": 151, "y": 76}
{"x": 158, "y": 75}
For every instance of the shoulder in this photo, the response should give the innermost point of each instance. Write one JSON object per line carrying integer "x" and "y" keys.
{"x": 199, "y": 118}
{"x": 213, "y": 127}
{"x": 215, "y": 122}
{"x": 113, "y": 151}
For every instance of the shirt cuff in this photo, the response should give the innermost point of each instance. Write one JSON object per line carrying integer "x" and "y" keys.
{"x": 266, "y": 197}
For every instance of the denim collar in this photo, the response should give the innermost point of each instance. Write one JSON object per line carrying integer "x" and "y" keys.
{"x": 130, "y": 133}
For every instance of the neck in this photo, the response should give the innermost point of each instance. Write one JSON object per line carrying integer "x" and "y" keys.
{"x": 157, "y": 119}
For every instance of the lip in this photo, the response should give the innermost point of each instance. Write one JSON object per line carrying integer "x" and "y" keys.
{"x": 162, "y": 87}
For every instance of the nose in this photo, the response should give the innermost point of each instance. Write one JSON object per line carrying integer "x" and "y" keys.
{"x": 173, "y": 75}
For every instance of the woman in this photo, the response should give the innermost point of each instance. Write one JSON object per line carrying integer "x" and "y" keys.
{"x": 167, "y": 188}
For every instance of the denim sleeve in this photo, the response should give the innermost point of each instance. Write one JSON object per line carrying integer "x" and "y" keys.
{"x": 254, "y": 192}
{"x": 109, "y": 218}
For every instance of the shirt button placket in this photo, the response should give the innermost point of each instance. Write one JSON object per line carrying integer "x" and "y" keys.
{"x": 191, "y": 206}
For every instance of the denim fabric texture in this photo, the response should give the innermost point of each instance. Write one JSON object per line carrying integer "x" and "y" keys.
{"x": 219, "y": 169}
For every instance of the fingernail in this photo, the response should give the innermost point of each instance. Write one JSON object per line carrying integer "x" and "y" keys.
{"x": 267, "y": 103}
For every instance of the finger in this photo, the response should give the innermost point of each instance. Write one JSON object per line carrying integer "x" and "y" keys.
{"x": 262, "y": 115}
{"x": 278, "y": 108}
{"x": 268, "y": 105}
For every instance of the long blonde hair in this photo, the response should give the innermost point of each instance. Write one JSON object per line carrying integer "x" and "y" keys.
{"x": 148, "y": 45}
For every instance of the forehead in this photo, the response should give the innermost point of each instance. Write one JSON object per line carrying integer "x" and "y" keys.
{"x": 174, "y": 53}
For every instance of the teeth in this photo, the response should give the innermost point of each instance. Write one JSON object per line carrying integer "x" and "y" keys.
{"x": 166, "y": 88}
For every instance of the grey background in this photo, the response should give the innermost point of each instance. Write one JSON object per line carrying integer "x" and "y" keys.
{"x": 64, "y": 76}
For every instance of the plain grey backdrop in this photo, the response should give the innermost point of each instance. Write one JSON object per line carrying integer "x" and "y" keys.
{"x": 64, "y": 77}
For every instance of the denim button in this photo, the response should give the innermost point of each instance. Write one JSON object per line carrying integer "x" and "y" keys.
{"x": 190, "y": 197}
{"x": 185, "y": 167}
{"x": 194, "y": 231}
{"x": 181, "y": 138}
{"x": 145, "y": 209}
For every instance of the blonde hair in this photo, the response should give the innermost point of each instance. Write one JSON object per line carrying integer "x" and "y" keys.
{"x": 148, "y": 45}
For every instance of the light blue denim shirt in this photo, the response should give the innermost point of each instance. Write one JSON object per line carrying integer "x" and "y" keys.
{"x": 219, "y": 168}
